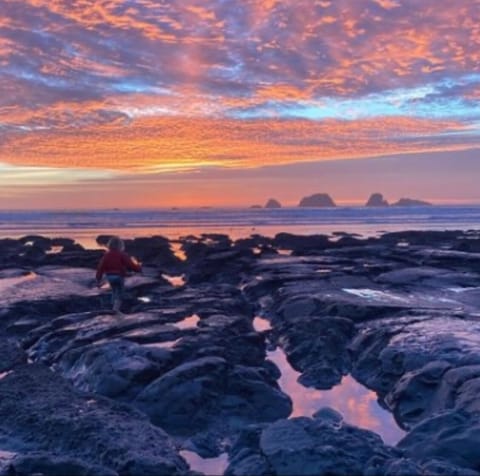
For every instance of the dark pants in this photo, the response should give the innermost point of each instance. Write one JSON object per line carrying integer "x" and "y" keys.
{"x": 117, "y": 286}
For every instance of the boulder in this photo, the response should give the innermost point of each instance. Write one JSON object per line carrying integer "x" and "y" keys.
{"x": 305, "y": 446}
{"x": 317, "y": 347}
{"x": 452, "y": 436}
{"x": 46, "y": 413}
{"x": 208, "y": 392}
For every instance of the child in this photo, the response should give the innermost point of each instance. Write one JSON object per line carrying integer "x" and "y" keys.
{"x": 114, "y": 264}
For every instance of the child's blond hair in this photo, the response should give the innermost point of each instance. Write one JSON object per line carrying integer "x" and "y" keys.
{"x": 115, "y": 243}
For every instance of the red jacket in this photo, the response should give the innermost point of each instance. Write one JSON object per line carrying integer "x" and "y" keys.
{"x": 116, "y": 262}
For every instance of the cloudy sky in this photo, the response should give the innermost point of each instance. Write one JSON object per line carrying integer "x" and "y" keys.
{"x": 206, "y": 102}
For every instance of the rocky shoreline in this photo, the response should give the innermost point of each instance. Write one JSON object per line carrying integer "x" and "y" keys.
{"x": 85, "y": 392}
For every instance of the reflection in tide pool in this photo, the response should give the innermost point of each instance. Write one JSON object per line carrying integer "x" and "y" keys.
{"x": 260, "y": 324}
{"x": 4, "y": 374}
{"x": 357, "y": 404}
{"x": 177, "y": 250}
{"x": 188, "y": 323}
{"x": 209, "y": 466}
{"x": 174, "y": 280}
{"x": 163, "y": 345}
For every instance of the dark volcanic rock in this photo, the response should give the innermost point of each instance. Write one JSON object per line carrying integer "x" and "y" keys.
{"x": 117, "y": 369}
{"x": 209, "y": 392}
{"x": 11, "y": 355}
{"x": 317, "y": 347}
{"x": 36, "y": 241}
{"x": 407, "y": 359}
{"x": 223, "y": 266}
{"x": 272, "y": 203}
{"x": 317, "y": 200}
{"x": 376, "y": 200}
{"x": 304, "y": 446}
{"x": 450, "y": 436}
{"x": 301, "y": 244}
{"x": 49, "y": 464}
{"x": 42, "y": 412}
{"x": 400, "y": 311}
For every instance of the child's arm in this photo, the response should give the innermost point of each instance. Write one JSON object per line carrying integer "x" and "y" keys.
{"x": 131, "y": 265}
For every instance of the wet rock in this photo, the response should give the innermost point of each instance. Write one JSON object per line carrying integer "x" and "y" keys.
{"x": 63, "y": 242}
{"x": 451, "y": 436}
{"x": 245, "y": 455}
{"x": 301, "y": 244}
{"x": 45, "y": 413}
{"x": 117, "y": 369}
{"x": 402, "y": 467}
{"x": 439, "y": 467}
{"x": 304, "y": 446}
{"x": 54, "y": 465}
{"x": 207, "y": 392}
{"x": 73, "y": 331}
{"x": 327, "y": 414}
{"x": 424, "y": 275}
{"x": 226, "y": 266}
{"x": 236, "y": 347}
{"x": 348, "y": 241}
{"x": 317, "y": 347}
{"x": 254, "y": 241}
{"x": 420, "y": 237}
{"x": 405, "y": 466}
{"x": 11, "y": 355}
{"x": 37, "y": 241}
{"x": 401, "y": 310}
{"x": 414, "y": 396}
{"x": 410, "y": 358}
{"x": 292, "y": 308}
{"x": 153, "y": 251}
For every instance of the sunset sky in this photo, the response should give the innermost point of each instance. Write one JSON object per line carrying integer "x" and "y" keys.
{"x": 141, "y": 103}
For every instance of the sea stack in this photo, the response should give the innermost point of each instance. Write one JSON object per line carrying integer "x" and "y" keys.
{"x": 409, "y": 202}
{"x": 317, "y": 200}
{"x": 376, "y": 200}
{"x": 272, "y": 203}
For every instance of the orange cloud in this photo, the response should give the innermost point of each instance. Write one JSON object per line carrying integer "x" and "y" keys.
{"x": 179, "y": 143}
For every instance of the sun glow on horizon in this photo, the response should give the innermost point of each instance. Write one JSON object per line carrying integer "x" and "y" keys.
{"x": 106, "y": 92}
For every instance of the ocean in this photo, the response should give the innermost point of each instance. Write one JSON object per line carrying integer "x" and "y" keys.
{"x": 85, "y": 225}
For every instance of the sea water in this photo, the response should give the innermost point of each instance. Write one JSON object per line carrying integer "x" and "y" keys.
{"x": 85, "y": 225}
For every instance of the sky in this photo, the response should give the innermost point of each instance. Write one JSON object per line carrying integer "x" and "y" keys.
{"x": 144, "y": 103}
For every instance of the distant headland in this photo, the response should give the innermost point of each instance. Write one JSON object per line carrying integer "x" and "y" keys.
{"x": 324, "y": 200}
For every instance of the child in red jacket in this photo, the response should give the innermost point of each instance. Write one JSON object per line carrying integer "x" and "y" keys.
{"x": 114, "y": 265}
